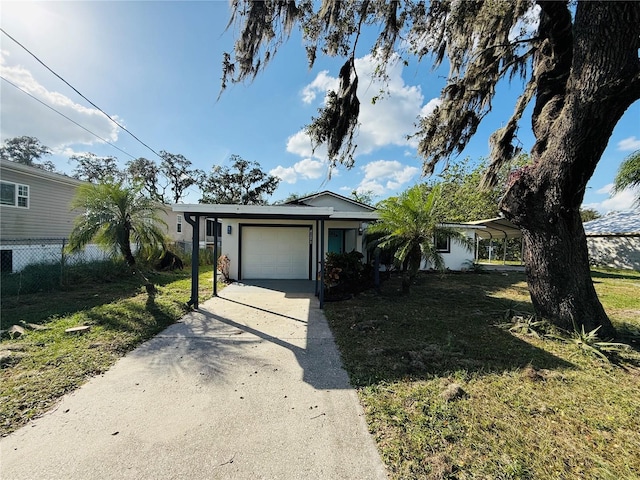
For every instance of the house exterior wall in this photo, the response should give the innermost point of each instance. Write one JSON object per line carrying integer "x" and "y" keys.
{"x": 458, "y": 256}
{"x": 622, "y": 252}
{"x": 230, "y": 243}
{"x": 49, "y": 212}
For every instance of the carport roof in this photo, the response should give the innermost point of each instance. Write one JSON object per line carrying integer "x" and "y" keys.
{"x": 496, "y": 228}
{"x": 283, "y": 212}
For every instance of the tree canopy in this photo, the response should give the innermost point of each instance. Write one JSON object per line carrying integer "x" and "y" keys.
{"x": 243, "y": 184}
{"x": 92, "y": 168}
{"x": 27, "y": 151}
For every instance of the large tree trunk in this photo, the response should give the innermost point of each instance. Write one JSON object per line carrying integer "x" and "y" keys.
{"x": 588, "y": 76}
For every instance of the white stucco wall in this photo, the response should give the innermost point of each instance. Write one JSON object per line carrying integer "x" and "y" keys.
{"x": 230, "y": 242}
{"x": 621, "y": 252}
{"x": 458, "y": 257}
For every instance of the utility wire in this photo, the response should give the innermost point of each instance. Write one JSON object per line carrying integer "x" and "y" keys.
{"x": 63, "y": 115}
{"x": 76, "y": 90}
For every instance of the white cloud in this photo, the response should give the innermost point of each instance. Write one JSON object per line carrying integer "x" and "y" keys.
{"x": 606, "y": 190}
{"x": 309, "y": 168}
{"x": 429, "y": 107}
{"x": 22, "y": 115}
{"x": 286, "y": 174}
{"x": 320, "y": 85}
{"x": 623, "y": 200}
{"x": 388, "y": 122}
{"x": 629, "y": 144}
{"x": 384, "y": 176}
{"x": 300, "y": 144}
{"x": 304, "y": 169}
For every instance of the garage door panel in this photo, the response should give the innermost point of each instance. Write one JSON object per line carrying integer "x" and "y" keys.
{"x": 275, "y": 252}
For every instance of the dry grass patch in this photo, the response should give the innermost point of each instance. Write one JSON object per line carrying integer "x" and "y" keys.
{"x": 529, "y": 408}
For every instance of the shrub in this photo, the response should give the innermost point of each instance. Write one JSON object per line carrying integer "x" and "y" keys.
{"x": 345, "y": 273}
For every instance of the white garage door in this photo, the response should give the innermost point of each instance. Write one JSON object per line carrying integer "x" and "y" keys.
{"x": 275, "y": 252}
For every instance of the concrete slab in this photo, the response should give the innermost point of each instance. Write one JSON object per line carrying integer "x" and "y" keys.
{"x": 250, "y": 386}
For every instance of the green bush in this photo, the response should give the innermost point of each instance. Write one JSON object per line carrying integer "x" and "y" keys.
{"x": 345, "y": 273}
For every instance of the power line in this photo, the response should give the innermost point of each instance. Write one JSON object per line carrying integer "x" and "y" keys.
{"x": 63, "y": 115}
{"x": 76, "y": 90}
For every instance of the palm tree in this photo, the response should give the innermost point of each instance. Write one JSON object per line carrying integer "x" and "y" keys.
{"x": 114, "y": 216}
{"x": 409, "y": 227}
{"x": 628, "y": 175}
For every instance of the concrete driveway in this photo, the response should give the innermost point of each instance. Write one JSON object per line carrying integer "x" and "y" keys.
{"x": 250, "y": 386}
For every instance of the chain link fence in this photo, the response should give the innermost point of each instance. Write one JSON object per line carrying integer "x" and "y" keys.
{"x": 17, "y": 254}
{"x": 35, "y": 265}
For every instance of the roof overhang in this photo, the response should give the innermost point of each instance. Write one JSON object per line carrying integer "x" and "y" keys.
{"x": 495, "y": 228}
{"x": 271, "y": 212}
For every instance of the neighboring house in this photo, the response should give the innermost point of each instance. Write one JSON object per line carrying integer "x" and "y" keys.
{"x": 180, "y": 231}
{"x": 614, "y": 240}
{"x": 35, "y": 215}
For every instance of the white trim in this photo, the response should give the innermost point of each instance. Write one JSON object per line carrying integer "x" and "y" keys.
{"x": 17, "y": 196}
{"x": 334, "y": 195}
{"x": 220, "y": 210}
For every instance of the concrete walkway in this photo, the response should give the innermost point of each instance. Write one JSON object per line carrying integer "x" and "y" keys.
{"x": 250, "y": 386}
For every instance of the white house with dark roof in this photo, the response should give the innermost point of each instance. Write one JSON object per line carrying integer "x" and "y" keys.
{"x": 614, "y": 240}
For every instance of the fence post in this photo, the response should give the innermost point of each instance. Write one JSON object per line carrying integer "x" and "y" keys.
{"x": 62, "y": 258}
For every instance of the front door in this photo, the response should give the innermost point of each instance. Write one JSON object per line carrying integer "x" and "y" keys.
{"x": 336, "y": 241}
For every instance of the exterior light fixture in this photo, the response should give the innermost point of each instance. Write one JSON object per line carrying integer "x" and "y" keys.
{"x": 229, "y": 229}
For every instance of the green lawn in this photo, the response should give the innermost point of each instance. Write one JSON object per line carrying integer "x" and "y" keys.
{"x": 45, "y": 364}
{"x": 532, "y": 407}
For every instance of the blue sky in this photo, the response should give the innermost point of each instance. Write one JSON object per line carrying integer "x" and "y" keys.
{"x": 156, "y": 67}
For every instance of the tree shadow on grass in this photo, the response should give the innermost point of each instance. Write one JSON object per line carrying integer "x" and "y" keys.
{"x": 447, "y": 324}
{"x": 632, "y": 275}
{"x": 38, "y": 308}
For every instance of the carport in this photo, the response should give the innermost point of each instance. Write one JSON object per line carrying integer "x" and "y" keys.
{"x": 494, "y": 229}
{"x": 262, "y": 232}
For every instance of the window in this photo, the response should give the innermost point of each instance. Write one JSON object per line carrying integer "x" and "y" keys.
{"x": 14, "y": 194}
{"x": 179, "y": 223}
{"x": 443, "y": 243}
{"x": 212, "y": 231}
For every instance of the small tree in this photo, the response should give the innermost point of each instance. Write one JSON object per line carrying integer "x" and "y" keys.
{"x": 114, "y": 217}
{"x": 26, "y": 150}
{"x": 367, "y": 197}
{"x": 409, "y": 226}
{"x": 244, "y": 184}
{"x": 588, "y": 214}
